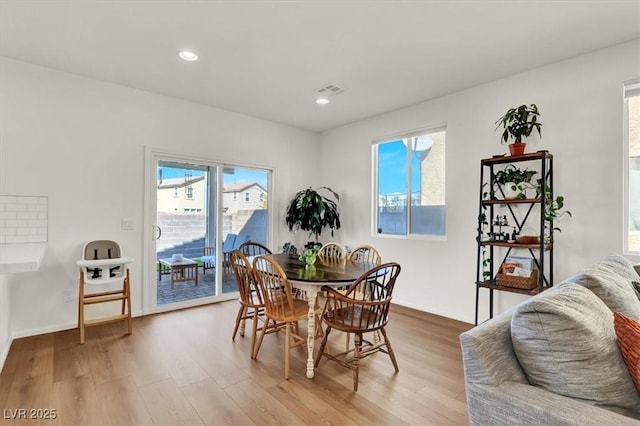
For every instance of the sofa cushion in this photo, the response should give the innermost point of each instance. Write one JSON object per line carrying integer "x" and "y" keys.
{"x": 565, "y": 342}
{"x": 623, "y": 267}
{"x": 628, "y": 333}
{"x": 611, "y": 280}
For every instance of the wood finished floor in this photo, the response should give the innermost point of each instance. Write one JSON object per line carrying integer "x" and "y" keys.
{"x": 181, "y": 368}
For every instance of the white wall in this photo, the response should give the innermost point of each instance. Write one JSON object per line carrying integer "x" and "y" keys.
{"x": 81, "y": 142}
{"x": 581, "y": 110}
{"x": 5, "y": 331}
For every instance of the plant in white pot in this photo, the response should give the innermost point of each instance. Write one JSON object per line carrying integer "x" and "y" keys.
{"x": 519, "y": 123}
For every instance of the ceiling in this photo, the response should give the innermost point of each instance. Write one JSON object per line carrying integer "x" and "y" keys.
{"x": 266, "y": 58}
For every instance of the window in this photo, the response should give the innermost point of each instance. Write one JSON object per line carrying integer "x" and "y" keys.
{"x": 189, "y": 191}
{"x": 246, "y": 196}
{"x": 175, "y": 192}
{"x": 410, "y": 184}
{"x": 235, "y": 196}
{"x": 632, "y": 166}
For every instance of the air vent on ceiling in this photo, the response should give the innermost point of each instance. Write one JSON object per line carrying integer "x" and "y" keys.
{"x": 329, "y": 90}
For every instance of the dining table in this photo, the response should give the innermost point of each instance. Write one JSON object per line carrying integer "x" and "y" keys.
{"x": 309, "y": 279}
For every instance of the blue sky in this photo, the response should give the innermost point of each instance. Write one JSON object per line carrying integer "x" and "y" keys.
{"x": 240, "y": 175}
{"x": 392, "y": 165}
{"x": 392, "y": 168}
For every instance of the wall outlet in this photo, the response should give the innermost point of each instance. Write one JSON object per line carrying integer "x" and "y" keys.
{"x": 126, "y": 224}
{"x": 68, "y": 295}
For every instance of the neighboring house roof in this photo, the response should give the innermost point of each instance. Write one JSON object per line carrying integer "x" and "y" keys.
{"x": 232, "y": 187}
{"x": 178, "y": 182}
{"x": 241, "y": 186}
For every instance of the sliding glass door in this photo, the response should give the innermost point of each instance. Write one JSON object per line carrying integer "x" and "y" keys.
{"x": 199, "y": 211}
{"x": 186, "y": 224}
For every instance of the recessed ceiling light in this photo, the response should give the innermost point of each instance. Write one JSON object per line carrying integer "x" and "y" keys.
{"x": 188, "y": 55}
{"x": 322, "y": 101}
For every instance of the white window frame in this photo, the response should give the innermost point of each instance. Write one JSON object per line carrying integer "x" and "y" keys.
{"x": 631, "y": 88}
{"x": 374, "y": 183}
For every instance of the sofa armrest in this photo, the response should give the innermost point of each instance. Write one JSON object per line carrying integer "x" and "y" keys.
{"x": 519, "y": 404}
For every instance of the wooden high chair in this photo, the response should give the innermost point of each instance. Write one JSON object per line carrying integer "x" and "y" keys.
{"x": 103, "y": 266}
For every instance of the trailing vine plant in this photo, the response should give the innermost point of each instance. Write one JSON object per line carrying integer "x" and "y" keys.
{"x": 486, "y": 260}
{"x": 553, "y": 208}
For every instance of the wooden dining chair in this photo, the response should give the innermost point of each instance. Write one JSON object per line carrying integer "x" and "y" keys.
{"x": 252, "y": 249}
{"x": 251, "y": 302}
{"x": 365, "y": 253}
{"x": 280, "y": 305}
{"x": 333, "y": 251}
{"x": 363, "y": 308}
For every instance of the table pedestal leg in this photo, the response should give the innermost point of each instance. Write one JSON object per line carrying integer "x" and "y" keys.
{"x": 311, "y": 332}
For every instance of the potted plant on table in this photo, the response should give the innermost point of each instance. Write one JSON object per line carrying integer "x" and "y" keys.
{"x": 312, "y": 211}
{"x": 519, "y": 123}
{"x": 310, "y": 255}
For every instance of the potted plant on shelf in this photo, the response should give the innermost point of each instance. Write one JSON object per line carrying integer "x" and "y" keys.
{"x": 519, "y": 123}
{"x": 512, "y": 182}
{"x": 312, "y": 211}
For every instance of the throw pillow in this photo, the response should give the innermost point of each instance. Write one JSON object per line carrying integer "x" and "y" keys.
{"x": 628, "y": 332}
{"x": 565, "y": 342}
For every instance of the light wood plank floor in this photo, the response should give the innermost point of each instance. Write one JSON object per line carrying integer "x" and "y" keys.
{"x": 181, "y": 368}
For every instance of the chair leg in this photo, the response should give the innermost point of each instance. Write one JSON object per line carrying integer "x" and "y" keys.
{"x": 286, "y": 351}
{"x": 319, "y": 331}
{"x": 255, "y": 329}
{"x": 357, "y": 340}
{"x": 81, "y": 308}
{"x": 392, "y": 355}
{"x": 128, "y": 295}
{"x": 238, "y": 319}
{"x": 322, "y": 346}
{"x": 264, "y": 329}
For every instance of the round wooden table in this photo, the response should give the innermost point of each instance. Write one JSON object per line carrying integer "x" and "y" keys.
{"x": 311, "y": 279}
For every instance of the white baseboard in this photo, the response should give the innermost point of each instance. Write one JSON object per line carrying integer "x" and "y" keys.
{"x": 467, "y": 319}
{"x": 53, "y": 328}
{"x": 3, "y": 355}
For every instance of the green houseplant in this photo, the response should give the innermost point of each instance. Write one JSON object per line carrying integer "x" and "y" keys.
{"x": 312, "y": 211}
{"x": 310, "y": 254}
{"x": 512, "y": 180}
{"x": 554, "y": 208}
{"x": 519, "y": 123}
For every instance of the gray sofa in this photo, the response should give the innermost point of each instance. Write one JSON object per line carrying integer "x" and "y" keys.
{"x": 554, "y": 359}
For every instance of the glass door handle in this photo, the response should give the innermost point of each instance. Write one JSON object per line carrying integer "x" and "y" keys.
{"x": 158, "y": 233}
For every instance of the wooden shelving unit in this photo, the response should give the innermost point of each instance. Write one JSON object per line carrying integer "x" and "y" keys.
{"x": 518, "y": 211}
